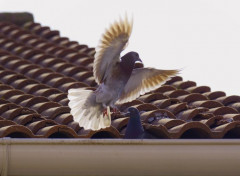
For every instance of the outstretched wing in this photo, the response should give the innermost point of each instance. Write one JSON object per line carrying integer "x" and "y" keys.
{"x": 144, "y": 80}
{"x": 113, "y": 41}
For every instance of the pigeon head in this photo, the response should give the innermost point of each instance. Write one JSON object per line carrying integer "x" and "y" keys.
{"x": 129, "y": 59}
{"x": 134, "y": 113}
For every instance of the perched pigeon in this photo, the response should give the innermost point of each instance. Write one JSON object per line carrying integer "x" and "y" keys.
{"x": 118, "y": 81}
{"x": 134, "y": 127}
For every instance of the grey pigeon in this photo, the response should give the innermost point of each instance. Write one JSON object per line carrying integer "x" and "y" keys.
{"x": 118, "y": 81}
{"x": 135, "y": 129}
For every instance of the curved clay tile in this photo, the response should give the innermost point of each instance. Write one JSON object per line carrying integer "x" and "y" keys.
{"x": 56, "y": 82}
{"x": 192, "y": 97}
{"x": 174, "y": 79}
{"x": 65, "y": 52}
{"x": 214, "y": 95}
{"x": 30, "y": 25}
{"x": 27, "y": 118}
{"x": 64, "y": 102}
{"x": 206, "y": 103}
{"x": 34, "y": 100}
{"x": 228, "y": 130}
{"x": 176, "y": 108}
{"x": 223, "y": 110}
{"x": 161, "y": 104}
{"x": 16, "y": 131}
{"x": 53, "y": 112}
{"x": 16, "y": 63}
{"x": 74, "y": 125}
{"x": 191, "y": 130}
{"x": 8, "y": 79}
{"x": 73, "y": 57}
{"x": 50, "y": 34}
{"x": 165, "y": 88}
{"x": 20, "y": 83}
{"x": 6, "y": 94}
{"x": 235, "y": 106}
{"x": 175, "y": 93}
{"x": 232, "y": 117}
{"x": 37, "y": 125}
{"x": 45, "y": 77}
{"x": 57, "y": 97}
{"x": 109, "y": 132}
{"x": 40, "y": 107}
{"x": 152, "y": 97}
{"x": 7, "y": 106}
{"x": 19, "y": 98}
{"x": 160, "y": 131}
{"x": 145, "y": 107}
{"x": 228, "y": 99}
{"x": 188, "y": 114}
{"x": 82, "y": 75}
{"x": 66, "y": 86}
{"x": 38, "y": 71}
{"x": 64, "y": 118}
{"x": 57, "y": 131}
{"x": 73, "y": 70}
{"x": 30, "y": 89}
{"x": 39, "y": 57}
{"x": 183, "y": 84}
{"x": 47, "y": 92}
{"x": 119, "y": 123}
{"x": 168, "y": 123}
{"x": 155, "y": 115}
{"x": 51, "y": 62}
{"x": 4, "y": 123}
{"x": 71, "y": 44}
{"x": 84, "y": 61}
{"x": 60, "y": 66}
{"x": 123, "y": 107}
{"x": 213, "y": 121}
{"x": 23, "y": 69}
{"x": 90, "y": 81}
{"x": 12, "y": 113}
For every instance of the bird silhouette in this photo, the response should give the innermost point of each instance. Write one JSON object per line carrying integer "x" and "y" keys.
{"x": 135, "y": 129}
{"x": 118, "y": 81}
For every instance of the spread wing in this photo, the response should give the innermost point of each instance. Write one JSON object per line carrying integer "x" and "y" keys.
{"x": 113, "y": 41}
{"x": 144, "y": 80}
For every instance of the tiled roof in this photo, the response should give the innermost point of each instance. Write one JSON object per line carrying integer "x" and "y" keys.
{"x": 38, "y": 66}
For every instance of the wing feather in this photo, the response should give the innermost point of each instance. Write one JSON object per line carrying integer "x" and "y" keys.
{"x": 144, "y": 80}
{"x": 113, "y": 41}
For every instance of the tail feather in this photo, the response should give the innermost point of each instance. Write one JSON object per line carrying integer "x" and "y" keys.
{"x": 86, "y": 111}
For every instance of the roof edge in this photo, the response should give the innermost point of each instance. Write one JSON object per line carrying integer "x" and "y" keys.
{"x": 103, "y": 157}
{"x": 18, "y": 18}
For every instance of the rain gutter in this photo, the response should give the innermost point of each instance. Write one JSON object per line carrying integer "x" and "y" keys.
{"x": 25, "y": 157}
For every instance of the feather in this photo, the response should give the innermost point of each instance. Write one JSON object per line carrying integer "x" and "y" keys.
{"x": 113, "y": 41}
{"x": 86, "y": 111}
{"x": 144, "y": 80}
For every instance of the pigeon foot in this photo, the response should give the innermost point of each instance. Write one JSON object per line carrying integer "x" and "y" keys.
{"x": 105, "y": 113}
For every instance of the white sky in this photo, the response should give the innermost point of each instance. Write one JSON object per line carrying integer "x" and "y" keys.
{"x": 202, "y": 37}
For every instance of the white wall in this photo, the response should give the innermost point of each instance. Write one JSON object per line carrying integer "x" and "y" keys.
{"x": 202, "y": 37}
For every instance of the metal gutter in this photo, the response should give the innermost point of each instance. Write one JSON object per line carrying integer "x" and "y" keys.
{"x": 119, "y": 157}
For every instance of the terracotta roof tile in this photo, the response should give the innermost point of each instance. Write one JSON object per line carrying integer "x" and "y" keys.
{"x": 38, "y": 67}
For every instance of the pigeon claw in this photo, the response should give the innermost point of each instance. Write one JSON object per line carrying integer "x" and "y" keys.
{"x": 105, "y": 112}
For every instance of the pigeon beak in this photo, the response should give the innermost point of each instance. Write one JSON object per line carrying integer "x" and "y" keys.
{"x": 139, "y": 60}
{"x": 126, "y": 114}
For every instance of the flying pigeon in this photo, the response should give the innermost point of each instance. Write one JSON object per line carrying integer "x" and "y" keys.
{"x": 118, "y": 81}
{"x": 134, "y": 127}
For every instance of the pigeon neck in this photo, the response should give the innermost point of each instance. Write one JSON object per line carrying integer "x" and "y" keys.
{"x": 134, "y": 128}
{"x": 127, "y": 65}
